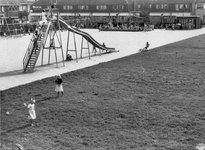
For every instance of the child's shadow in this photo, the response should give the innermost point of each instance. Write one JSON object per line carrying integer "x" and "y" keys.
{"x": 15, "y": 129}
{"x": 43, "y": 99}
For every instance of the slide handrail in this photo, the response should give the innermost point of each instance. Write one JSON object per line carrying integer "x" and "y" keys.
{"x": 28, "y": 52}
{"x": 30, "y": 47}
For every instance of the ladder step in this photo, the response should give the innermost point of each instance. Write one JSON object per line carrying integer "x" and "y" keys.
{"x": 31, "y": 63}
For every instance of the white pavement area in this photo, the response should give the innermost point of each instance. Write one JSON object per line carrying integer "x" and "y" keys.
{"x": 13, "y": 50}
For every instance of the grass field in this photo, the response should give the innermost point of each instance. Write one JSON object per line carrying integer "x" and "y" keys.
{"x": 153, "y": 100}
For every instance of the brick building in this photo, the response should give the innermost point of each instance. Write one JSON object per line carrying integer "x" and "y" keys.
{"x": 12, "y": 8}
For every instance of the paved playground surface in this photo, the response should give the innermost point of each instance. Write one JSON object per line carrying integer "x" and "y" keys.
{"x": 12, "y": 52}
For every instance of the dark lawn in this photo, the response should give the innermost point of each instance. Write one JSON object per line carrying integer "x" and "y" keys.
{"x": 153, "y": 100}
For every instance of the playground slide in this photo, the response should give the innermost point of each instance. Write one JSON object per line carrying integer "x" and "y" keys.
{"x": 85, "y": 35}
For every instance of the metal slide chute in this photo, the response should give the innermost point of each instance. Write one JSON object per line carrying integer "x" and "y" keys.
{"x": 85, "y": 35}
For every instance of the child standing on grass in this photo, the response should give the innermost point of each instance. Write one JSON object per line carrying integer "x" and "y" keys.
{"x": 31, "y": 110}
{"x": 59, "y": 86}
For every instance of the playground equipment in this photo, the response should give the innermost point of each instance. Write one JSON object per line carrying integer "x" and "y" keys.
{"x": 50, "y": 31}
{"x": 34, "y": 49}
{"x": 11, "y": 29}
{"x": 46, "y": 33}
{"x": 85, "y": 36}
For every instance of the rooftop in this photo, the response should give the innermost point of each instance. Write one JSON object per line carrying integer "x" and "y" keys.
{"x": 82, "y": 2}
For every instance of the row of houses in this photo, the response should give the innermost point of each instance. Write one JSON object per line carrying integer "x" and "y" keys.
{"x": 182, "y": 7}
{"x": 121, "y": 7}
{"x": 14, "y": 9}
{"x": 11, "y": 8}
{"x": 100, "y": 9}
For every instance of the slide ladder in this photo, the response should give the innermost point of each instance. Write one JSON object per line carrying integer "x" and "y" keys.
{"x": 33, "y": 51}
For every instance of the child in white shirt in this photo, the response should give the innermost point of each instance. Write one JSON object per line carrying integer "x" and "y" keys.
{"x": 31, "y": 110}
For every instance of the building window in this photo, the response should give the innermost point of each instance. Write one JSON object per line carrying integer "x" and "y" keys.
{"x": 37, "y": 7}
{"x": 165, "y": 6}
{"x": 68, "y": 7}
{"x": 101, "y": 7}
{"x": 139, "y": 6}
{"x": 24, "y": 7}
{"x": 83, "y": 7}
{"x": 121, "y": 6}
{"x": 162, "y": 6}
{"x": 16, "y": 8}
{"x": 117, "y": 7}
{"x": 183, "y": 6}
{"x": 148, "y": 6}
{"x": 177, "y": 7}
{"x": 200, "y": 6}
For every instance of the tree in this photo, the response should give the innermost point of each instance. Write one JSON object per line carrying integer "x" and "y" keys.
{"x": 23, "y": 15}
{"x": 145, "y": 16}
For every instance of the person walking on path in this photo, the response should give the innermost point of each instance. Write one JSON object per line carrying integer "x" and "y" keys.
{"x": 59, "y": 86}
{"x": 31, "y": 111}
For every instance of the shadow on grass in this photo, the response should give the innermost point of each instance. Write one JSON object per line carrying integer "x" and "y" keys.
{"x": 16, "y": 129}
{"x": 49, "y": 96}
{"x": 54, "y": 97}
